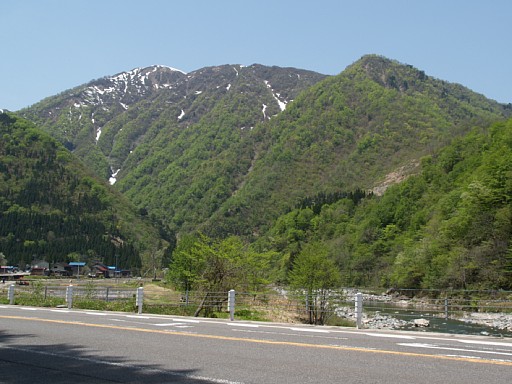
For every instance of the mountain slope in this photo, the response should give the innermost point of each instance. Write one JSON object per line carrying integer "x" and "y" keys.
{"x": 180, "y": 151}
{"x": 106, "y": 119}
{"x": 350, "y": 131}
{"x": 53, "y": 208}
{"x": 225, "y": 150}
{"x": 447, "y": 227}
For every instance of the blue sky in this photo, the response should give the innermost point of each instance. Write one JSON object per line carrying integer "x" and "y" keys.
{"x": 49, "y": 46}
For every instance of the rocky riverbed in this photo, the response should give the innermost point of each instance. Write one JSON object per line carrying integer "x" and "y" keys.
{"x": 494, "y": 320}
{"x": 379, "y": 320}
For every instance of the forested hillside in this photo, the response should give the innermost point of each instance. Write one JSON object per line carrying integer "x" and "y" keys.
{"x": 449, "y": 226}
{"x": 394, "y": 176}
{"x": 347, "y": 132}
{"x": 228, "y": 149}
{"x": 53, "y": 208}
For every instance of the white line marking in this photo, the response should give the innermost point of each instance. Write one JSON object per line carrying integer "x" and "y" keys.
{"x": 432, "y": 346}
{"x": 290, "y": 334}
{"x": 391, "y": 336}
{"x": 167, "y": 324}
{"x": 478, "y": 357}
{"x": 96, "y": 313}
{"x": 28, "y": 309}
{"x": 309, "y": 330}
{"x": 485, "y": 343}
{"x": 186, "y": 321}
{"x": 243, "y": 325}
{"x": 138, "y": 317}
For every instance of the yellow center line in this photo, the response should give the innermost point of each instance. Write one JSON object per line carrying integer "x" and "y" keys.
{"x": 260, "y": 341}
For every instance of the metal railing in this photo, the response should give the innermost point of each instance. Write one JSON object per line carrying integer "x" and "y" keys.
{"x": 444, "y": 311}
{"x": 96, "y": 293}
{"x": 464, "y": 311}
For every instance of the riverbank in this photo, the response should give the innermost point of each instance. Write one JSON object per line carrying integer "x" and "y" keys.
{"x": 494, "y": 320}
{"x": 386, "y": 311}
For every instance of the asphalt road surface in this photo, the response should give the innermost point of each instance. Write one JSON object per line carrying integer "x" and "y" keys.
{"x": 43, "y": 345}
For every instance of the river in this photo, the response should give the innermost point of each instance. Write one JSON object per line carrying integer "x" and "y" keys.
{"x": 438, "y": 322}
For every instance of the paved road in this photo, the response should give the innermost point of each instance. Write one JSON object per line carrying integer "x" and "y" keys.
{"x": 39, "y": 345}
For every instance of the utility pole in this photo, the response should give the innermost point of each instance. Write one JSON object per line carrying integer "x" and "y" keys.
{"x": 116, "y": 273}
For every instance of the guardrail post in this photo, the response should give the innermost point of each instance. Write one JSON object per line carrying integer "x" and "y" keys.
{"x": 69, "y": 296}
{"x": 231, "y": 304}
{"x": 10, "y": 294}
{"x": 140, "y": 299}
{"x": 446, "y": 308}
{"x": 359, "y": 310}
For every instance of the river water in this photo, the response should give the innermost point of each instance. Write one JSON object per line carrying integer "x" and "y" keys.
{"x": 438, "y": 322}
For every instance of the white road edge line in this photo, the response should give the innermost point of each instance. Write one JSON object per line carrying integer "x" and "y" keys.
{"x": 243, "y": 325}
{"x": 309, "y": 330}
{"x": 432, "y": 346}
{"x": 494, "y": 343}
{"x": 391, "y": 336}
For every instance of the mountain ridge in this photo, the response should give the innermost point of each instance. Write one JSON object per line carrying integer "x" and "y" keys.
{"x": 382, "y": 164}
{"x": 196, "y": 152}
{"x": 92, "y": 106}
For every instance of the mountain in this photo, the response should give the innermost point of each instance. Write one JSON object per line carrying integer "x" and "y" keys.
{"x": 365, "y": 128}
{"x": 182, "y": 132}
{"x": 229, "y": 149}
{"x": 103, "y": 121}
{"x": 52, "y": 207}
{"x": 449, "y": 226}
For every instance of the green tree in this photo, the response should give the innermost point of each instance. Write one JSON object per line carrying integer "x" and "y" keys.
{"x": 213, "y": 267}
{"x": 314, "y": 274}
{"x": 186, "y": 264}
{"x": 3, "y": 259}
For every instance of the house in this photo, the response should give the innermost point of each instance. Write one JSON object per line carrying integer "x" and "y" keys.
{"x": 99, "y": 270}
{"x": 40, "y": 264}
{"x": 77, "y": 267}
{"x": 60, "y": 269}
{"x": 125, "y": 273}
{"x": 39, "y": 271}
{"x": 116, "y": 272}
{"x": 6, "y": 269}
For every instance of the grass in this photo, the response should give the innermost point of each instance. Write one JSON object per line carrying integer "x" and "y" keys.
{"x": 158, "y": 299}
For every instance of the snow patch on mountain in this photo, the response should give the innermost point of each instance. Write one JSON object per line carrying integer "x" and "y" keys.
{"x": 123, "y": 86}
{"x": 171, "y": 68}
{"x": 112, "y": 180}
{"x": 282, "y": 104}
{"x": 263, "y": 110}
